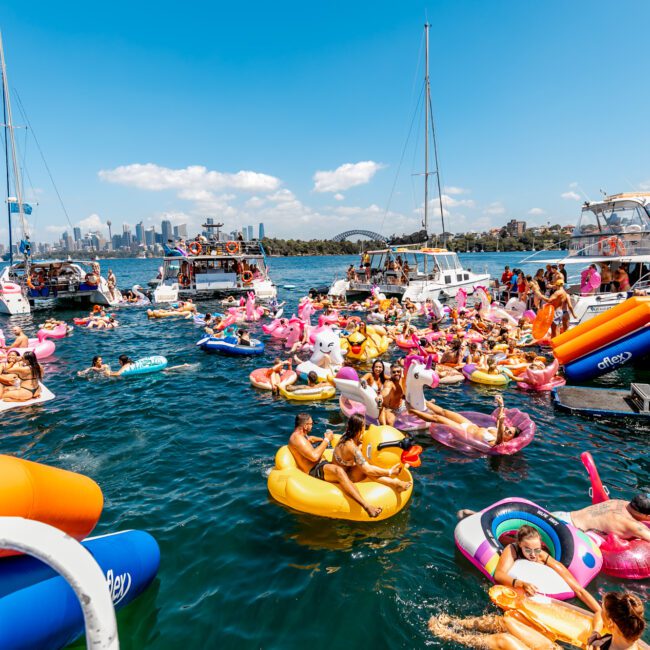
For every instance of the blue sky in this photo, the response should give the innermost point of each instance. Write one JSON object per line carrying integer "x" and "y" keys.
{"x": 297, "y": 114}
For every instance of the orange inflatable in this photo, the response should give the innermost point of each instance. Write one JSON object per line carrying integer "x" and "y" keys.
{"x": 615, "y": 326}
{"x": 543, "y": 321}
{"x": 603, "y": 317}
{"x": 68, "y": 501}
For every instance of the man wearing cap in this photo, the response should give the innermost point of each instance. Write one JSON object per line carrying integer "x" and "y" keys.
{"x": 561, "y": 300}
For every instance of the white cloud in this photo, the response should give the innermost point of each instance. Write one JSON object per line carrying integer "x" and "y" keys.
{"x": 453, "y": 190}
{"x": 195, "y": 177}
{"x": 570, "y": 196}
{"x": 91, "y": 222}
{"x": 255, "y": 202}
{"x": 282, "y": 196}
{"x": 495, "y": 208}
{"x": 339, "y": 197}
{"x": 645, "y": 186}
{"x": 346, "y": 176}
{"x": 536, "y": 211}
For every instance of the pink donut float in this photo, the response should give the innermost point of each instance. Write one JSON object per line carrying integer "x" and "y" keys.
{"x": 260, "y": 378}
{"x": 622, "y": 558}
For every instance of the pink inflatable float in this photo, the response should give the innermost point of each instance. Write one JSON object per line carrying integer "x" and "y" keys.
{"x": 452, "y": 437}
{"x": 58, "y": 332}
{"x": 541, "y": 380}
{"x": 622, "y": 558}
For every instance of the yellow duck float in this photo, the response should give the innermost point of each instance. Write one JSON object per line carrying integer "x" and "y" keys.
{"x": 292, "y": 487}
{"x": 365, "y": 347}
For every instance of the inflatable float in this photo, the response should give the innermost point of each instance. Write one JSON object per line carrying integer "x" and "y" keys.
{"x": 308, "y": 393}
{"x": 382, "y": 446}
{"x": 60, "y": 331}
{"x": 556, "y": 620}
{"x": 260, "y": 378}
{"x": 481, "y": 377}
{"x": 451, "y": 437}
{"x": 68, "y": 501}
{"x": 543, "y": 321}
{"x": 45, "y": 396}
{"x": 622, "y": 558}
{"x": 129, "y": 560}
{"x": 479, "y": 538}
{"x": 541, "y": 380}
{"x": 230, "y": 345}
{"x": 42, "y": 349}
{"x": 145, "y": 366}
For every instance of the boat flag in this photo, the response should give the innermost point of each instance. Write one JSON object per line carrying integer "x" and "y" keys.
{"x": 15, "y": 209}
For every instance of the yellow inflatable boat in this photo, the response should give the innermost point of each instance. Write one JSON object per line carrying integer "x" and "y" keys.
{"x": 302, "y": 393}
{"x": 364, "y": 348}
{"x": 292, "y": 487}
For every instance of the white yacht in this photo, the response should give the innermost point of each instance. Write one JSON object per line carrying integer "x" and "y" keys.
{"x": 611, "y": 232}
{"x": 214, "y": 269}
{"x": 411, "y": 272}
{"x": 59, "y": 283}
{"x": 414, "y": 271}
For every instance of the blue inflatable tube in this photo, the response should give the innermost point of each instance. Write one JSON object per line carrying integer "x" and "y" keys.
{"x": 611, "y": 357}
{"x": 229, "y": 345}
{"x": 145, "y": 365}
{"x": 44, "y": 612}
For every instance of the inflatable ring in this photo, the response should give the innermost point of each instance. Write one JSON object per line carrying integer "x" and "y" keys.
{"x": 183, "y": 280}
{"x": 195, "y": 248}
{"x": 481, "y": 377}
{"x": 260, "y": 378}
{"x": 247, "y": 277}
{"x": 232, "y": 247}
{"x": 292, "y": 487}
{"x": 478, "y": 538}
{"x": 145, "y": 366}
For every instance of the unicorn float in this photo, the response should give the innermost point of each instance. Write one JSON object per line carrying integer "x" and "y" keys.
{"x": 491, "y": 311}
{"x": 326, "y": 359}
{"x": 356, "y": 398}
{"x": 249, "y": 313}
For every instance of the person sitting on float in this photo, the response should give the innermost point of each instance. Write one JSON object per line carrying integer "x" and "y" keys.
{"x": 349, "y": 457}
{"x": 275, "y": 374}
{"x": 312, "y": 381}
{"x": 455, "y": 355}
{"x": 243, "y": 337}
{"x": 622, "y": 613}
{"x": 465, "y": 427}
{"x": 391, "y": 400}
{"x": 97, "y": 366}
{"x": 28, "y": 375}
{"x": 7, "y": 376}
{"x": 21, "y": 340}
{"x": 528, "y": 546}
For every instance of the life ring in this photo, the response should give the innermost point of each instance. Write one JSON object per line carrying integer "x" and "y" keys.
{"x": 195, "y": 248}
{"x": 183, "y": 280}
{"x": 616, "y": 246}
{"x": 232, "y": 247}
{"x": 247, "y": 277}
{"x": 30, "y": 284}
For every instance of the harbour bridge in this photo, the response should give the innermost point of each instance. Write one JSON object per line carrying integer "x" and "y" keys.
{"x": 374, "y": 236}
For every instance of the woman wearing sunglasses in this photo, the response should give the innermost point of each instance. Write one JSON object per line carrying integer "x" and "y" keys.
{"x": 529, "y": 547}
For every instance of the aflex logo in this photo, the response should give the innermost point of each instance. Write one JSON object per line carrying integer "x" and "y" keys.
{"x": 616, "y": 360}
{"x": 118, "y": 585}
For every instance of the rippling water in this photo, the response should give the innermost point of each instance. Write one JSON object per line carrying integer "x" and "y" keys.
{"x": 185, "y": 456}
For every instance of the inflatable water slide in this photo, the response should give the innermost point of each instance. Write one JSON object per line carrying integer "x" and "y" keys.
{"x": 606, "y": 342}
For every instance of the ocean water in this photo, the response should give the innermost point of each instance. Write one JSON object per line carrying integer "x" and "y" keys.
{"x": 185, "y": 456}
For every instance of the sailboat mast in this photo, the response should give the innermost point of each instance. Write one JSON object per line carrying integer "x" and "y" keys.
{"x": 4, "y": 120}
{"x": 9, "y": 138}
{"x": 426, "y": 131}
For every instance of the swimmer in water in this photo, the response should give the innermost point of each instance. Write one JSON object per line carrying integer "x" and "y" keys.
{"x": 97, "y": 366}
{"x": 125, "y": 364}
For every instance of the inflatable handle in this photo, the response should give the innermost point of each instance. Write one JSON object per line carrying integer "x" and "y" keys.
{"x": 412, "y": 456}
{"x": 405, "y": 443}
{"x": 598, "y": 492}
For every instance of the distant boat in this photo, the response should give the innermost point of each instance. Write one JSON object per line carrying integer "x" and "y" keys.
{"x": 289, "y": 286}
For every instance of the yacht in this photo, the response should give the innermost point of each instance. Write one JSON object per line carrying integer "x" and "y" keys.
{"x": 214, "y": 269}
{"x": 414, "y": 272}
{"x": 611, "y": 232}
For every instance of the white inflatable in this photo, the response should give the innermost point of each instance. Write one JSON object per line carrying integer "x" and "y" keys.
{"x": 326, "y": 344}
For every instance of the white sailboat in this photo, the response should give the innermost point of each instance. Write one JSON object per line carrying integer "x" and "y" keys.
{"x": 417, "y": 272}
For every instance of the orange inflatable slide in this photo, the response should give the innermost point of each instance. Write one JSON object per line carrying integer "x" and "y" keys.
{"x": 613, "y": 324}
{"x": 68, "y": 501}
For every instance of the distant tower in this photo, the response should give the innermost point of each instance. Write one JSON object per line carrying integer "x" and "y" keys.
{"x": 261, "y": 232}
{"x": 109, "y": 223}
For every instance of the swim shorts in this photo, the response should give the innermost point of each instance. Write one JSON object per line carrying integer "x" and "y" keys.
{"x": 557, "y": 319}
{"x": 564, "y": 516}
{"x": 317, "y": 470}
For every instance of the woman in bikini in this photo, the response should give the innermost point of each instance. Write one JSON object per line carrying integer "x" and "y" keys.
{"x": 502, "y": 432}
{"x": 29, "y": 373}
{"x": 97, "y": 366}
{"x": 349, "y": 456}
{"x": 7, "y": 376}
{"x": 376, "y": 377}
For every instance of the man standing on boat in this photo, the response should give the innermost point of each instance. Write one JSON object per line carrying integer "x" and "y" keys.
{"x": 561, "y": 300}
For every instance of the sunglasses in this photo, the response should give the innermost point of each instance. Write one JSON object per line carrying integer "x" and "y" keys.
{"x": 531, "y": 551}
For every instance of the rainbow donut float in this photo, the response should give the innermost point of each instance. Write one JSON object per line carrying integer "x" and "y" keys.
{"x": 479, "y": 538}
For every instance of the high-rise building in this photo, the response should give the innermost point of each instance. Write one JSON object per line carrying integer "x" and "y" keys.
{"x": 181, "y": 230}
{"x": 150, "y": 236}
{"x": 167, "y": 232}
{"x": 261, "y": 231}
{"x": 139, "y": 232}
{"x": 250, "y": 233}
{"x": 67, "y": 245}
{"x": 77, "y": 233}
{"x": 117, "y": 242}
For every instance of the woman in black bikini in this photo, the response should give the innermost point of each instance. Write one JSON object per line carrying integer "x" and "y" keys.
{"x": 529, "y": 547}
{"x": 349, "y": 456}
{"x": 623, "y": 615}
{"x": 29, "y": 373}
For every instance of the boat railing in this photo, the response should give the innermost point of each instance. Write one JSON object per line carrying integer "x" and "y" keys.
{"x": 611, "y": 245}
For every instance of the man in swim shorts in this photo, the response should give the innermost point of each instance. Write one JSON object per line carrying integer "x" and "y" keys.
{"x": 561, "y": 300}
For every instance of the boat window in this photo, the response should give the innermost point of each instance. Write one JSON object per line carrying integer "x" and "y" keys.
{"x": 588, "y": 224}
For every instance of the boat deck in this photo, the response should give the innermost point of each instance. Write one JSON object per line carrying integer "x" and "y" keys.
{"x": 581, "y": 400}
